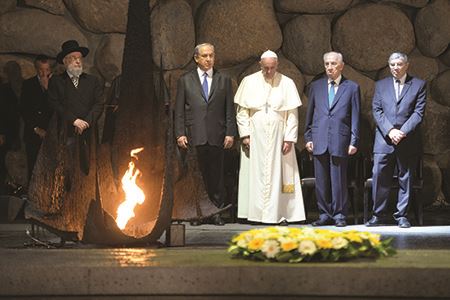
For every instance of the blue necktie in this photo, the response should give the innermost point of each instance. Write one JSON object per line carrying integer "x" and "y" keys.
{"x": 331, "y": 94}
{"x": 205, "y": 86}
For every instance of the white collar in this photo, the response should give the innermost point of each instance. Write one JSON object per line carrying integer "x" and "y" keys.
{"x": 402, "y": 80}
{"x": 201, "y": 72}
{"x": 71, "y": 75}
{"x": 337, "y": 81}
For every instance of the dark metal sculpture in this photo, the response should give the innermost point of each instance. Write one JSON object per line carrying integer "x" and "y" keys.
{"x": 87, "y": 209}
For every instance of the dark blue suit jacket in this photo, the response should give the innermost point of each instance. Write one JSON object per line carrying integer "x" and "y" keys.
{"x": 405, "y": 115}
{"x": 333, "y": 128}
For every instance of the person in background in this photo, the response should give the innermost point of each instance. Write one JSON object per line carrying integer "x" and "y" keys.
{"x": 9, "y": 116}
{"x": 35, "y": 109}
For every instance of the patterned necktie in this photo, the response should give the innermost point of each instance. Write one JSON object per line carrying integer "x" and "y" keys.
{"x": 398, "y": 89}
{"x": 331, "y": 94}
{"x": 75, "y": 81}
{"x": 205, "y": 86}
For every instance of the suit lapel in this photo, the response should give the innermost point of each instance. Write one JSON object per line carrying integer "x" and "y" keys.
{"x": 341, "y": 89}
{"x": 406, "y": 87}
{"x": 196, "y": 81}
{"x": 391, "y": 89}
{"x": 214, "y": 84}
{"x": 70, "y": 83}
{"x": 323, "y": 93}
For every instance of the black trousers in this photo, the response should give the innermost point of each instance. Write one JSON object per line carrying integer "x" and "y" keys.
{"x": 210, "y": 160}
{"x": 3, "y": 170}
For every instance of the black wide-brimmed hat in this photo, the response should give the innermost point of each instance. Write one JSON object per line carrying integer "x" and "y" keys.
{"x": 69, "y": 47}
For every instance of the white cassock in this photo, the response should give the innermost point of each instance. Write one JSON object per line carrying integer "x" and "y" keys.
{"x": 269, "y": 182}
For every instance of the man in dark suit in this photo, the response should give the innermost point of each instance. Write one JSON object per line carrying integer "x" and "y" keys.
{"x": 205, "y": 119}
{"x": 9, "y": 117}
{"x": 77, "y": 98}
{"x": 398, "y": 108}
{"x": 332, "y": 134}
{"x": 35, "y": 110}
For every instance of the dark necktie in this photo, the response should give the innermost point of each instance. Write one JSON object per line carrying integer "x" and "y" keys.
{"x": 397, "y": 81}
{"x": 205, "y": 86}
{"x": 331, "y": 94}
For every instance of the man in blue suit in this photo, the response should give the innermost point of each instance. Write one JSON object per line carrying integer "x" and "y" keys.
{"x": 398, "y": 108}
{"x": 332, "y": 134}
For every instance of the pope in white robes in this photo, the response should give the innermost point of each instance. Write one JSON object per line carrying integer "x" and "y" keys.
{"x": 267, "y": 118}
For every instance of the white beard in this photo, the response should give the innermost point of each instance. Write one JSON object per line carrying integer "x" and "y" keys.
{"x": 75, "y": 71}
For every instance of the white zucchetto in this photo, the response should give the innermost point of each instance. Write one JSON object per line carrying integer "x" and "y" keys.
{"x": 269, "y": 54}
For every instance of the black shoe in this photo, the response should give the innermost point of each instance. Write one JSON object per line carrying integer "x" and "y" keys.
{"x": 195, "y": 223}
{"x": 403, "y": 223}
{"x": 217, "y": 220}
{"x": 340, "y": 223}
{"x": 374, "y": 221}
{"x": 322, "y": 222}
{"x": 284, "y": 223}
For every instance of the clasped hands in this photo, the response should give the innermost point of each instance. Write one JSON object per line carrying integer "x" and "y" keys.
{"x": 40, "y": 132}
{"x": 396, "y": 136}
{"x": 80, "y": 126}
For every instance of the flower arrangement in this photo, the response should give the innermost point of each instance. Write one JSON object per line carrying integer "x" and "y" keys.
{"x": 294, "y": 245}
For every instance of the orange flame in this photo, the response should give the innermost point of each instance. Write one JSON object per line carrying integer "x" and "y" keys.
{"x": 133, "y": 193}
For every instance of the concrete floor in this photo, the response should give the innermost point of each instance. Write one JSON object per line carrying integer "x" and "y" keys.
{"x": 202, "y": 269}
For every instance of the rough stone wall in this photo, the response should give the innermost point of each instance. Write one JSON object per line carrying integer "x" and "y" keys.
{"x": 366, "y": 32}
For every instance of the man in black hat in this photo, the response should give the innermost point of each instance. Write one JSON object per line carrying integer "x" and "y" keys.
{"x": 77, "y": 98}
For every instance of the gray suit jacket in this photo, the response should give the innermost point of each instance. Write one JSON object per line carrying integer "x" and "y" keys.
{"x": 406, "y": 114}
{"x": 204, "y": 120}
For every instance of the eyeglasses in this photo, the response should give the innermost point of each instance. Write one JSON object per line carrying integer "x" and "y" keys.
{"x": 74, "y": 58}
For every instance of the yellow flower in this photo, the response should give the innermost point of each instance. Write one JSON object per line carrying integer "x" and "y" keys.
{"x": 273, "y": 236}
{"x": 288, "y": 245}
{"x": 374, "y": 240}
{"x": 353, "y": 236}
{"x": 237, "y": 238}
{"x": 255, "y": 244}
{"x": 307, "y": 247}
{"x": 324, "y": 243}
{"x": 272, "y": 229}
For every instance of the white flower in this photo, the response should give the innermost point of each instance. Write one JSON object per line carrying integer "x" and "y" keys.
{"x": 270, "y": 248}
{"x": 339, "y": 242}
{"x": 307, "y": 247}
{"x": 242, "y": 243}
{"x": 282, "y": 230}
{"x": 309, "y": 232}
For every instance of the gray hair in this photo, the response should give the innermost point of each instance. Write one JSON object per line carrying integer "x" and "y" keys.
{"x": 197, "y": 48}
{"x": 398, "y": 55}
{"x": 338, "y": 54}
